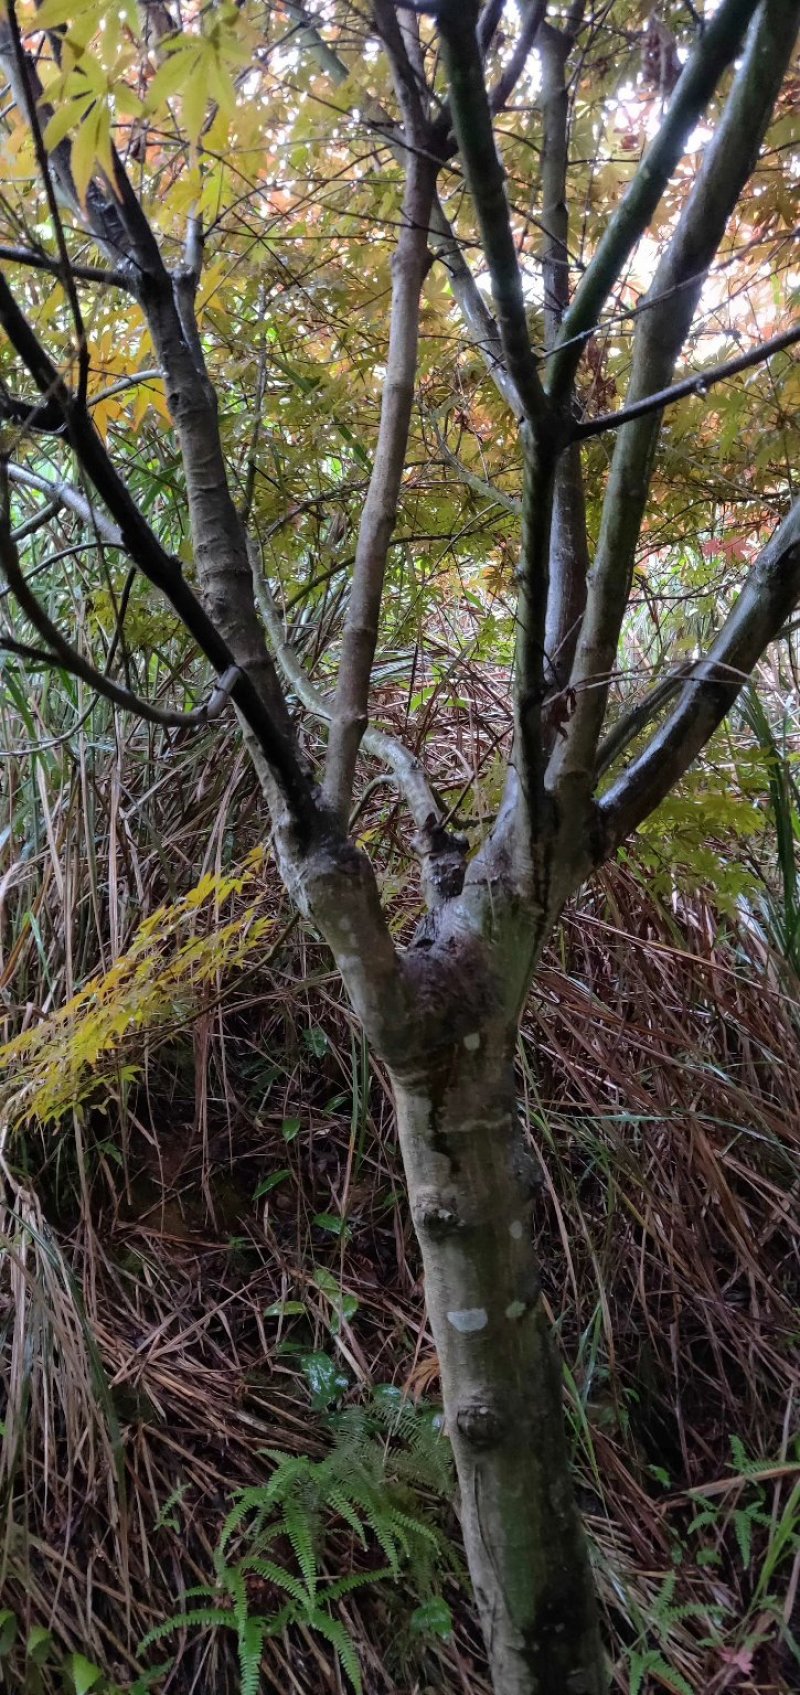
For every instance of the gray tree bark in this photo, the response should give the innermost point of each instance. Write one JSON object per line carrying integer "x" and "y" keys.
{"x": 469, "y": 1179}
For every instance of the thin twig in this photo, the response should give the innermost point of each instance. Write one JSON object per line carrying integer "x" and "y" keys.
{"x": 67, "y": 658}
{"x": 697, "y": 385}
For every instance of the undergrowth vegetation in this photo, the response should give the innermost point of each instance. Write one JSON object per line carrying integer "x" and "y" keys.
{"x": 223, "y": 1466}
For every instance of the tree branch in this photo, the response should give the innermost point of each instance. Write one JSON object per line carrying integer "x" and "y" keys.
{"x": 482, "y": 327}
{"x": 442, "y": 854}
{"x": 23, "y": 650}
{"x": 569, "y": 548}
{"x": 62, "y": 494}
{"x": 769, "y": 596}
{"x": 472, "y": 123}
{"x": 532, "y": 20}
{"x": 36, "y": 521}
{"x": 409, "y": 265}
{"x": 65, "y": 268}
{"x": 406, "y": 82}
{"x": 488, "y": 21}
{"x": 444, "y": 243}
{"x": 163, "y": 570}
{"x": 404, "y": 765}
{"x": 26, "y": 86}
{"x": 44, "y": 416}
{"x": 631, "y": 724}
{"x": 119, "y": 222}
{"x": 217, "y": 531}
{"x": 715, "y": 50}
{"x": 67, "y": 658}
{"x": 728, "y": 161}
{"x": 117, "y": 278}
{"x": 509, "y": 502}
{"x": 553, "y": 53}
{"x": 533, "y": 574}
{"x": 698, "y": 384}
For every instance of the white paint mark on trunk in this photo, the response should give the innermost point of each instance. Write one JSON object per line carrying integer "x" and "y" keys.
{"x": 516, "y": 1229}
{"x": 472, "y": 1042}
{"x": 471, "y": 1318}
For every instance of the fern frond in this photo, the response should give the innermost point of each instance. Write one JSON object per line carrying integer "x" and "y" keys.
{"x": 247, "y": 1501}
{"x": 204, "y": 1617}
{"x": 336, "y": 1634}
{"x": 388, "y": 1542}
{"x": 251, "y": 1642}
{"x": 233, "y": 1580}
{"x": 281, "y": 1578}
{"x": 340, "y": 1504}
{"x": 356, "y": 1580}
{"x": 302, "y": 1532}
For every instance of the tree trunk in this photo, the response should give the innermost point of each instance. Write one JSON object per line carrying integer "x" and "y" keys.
{"x": 469, "y": 1180}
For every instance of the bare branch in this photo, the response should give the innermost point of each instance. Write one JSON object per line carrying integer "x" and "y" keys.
{"x": 406, "y": 81}
{"x": 67, "y": 658}
{"x": 569, "y": 567}
{"x": 632, "y": 723}
{"x": 553, "y": 53}
{"x": 26, "y": 87}
{"x": 44, "y": 416}
{"x": 136, "y": 379}
{"x": 119, "y": 222}
{"x": 472, "y": 123}
{"x": 162, "y": 569}
{"x": 349, "y": 718}
{"x": 310, "y": 35}
{"x": 444, "y": 243}
{"x": 530, "y": 669}
{"x": 569, "y": 549}
{"x": 62, "y": 494}
{"x": 65, "y": 268}
{"x": 509, "y": 502}
{"x": 716, "y": 49}
{"x": 217, "y": 531}
{"x": 698, "y": 384}
{"x": 532, "y": 20}
{"x": 404, "y": 765}
{"x": 768, "y": 598}
{"x": 488, "y": 21}
{"x": 482, "y": 327}
{"x": 409, "y": 29}
{"x": 34, "y": 261}
{"x": 727, "y": 163}
{"x": 23, "y": 650}
{"x": 36, "y": 521}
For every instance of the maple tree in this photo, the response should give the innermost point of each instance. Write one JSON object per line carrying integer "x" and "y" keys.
{"x": 437, "y": 313}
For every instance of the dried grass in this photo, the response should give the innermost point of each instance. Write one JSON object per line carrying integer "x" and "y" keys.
{"x": 658, "y": 1064}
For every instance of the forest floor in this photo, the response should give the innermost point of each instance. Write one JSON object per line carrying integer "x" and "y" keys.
{"x": 212, "y": 1286}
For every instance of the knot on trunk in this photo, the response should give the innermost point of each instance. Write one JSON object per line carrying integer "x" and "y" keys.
{"x": 580, "y": 1682}
{"x": 437, "y": 1214}
{"x": 480, "y": 1424}
{"x": 527, "y": 1170}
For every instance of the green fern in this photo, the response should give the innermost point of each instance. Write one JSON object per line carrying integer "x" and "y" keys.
{"x": 202, "y": 1618}
{"x": 250, "y": 1644}
{"x": 662, "y": 1616}
{"x": 384, "y": 1457}
{"x": 301, "y": 1530}
{"x": 652, "y": 1661}
{"x": 333, "y": 1630}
